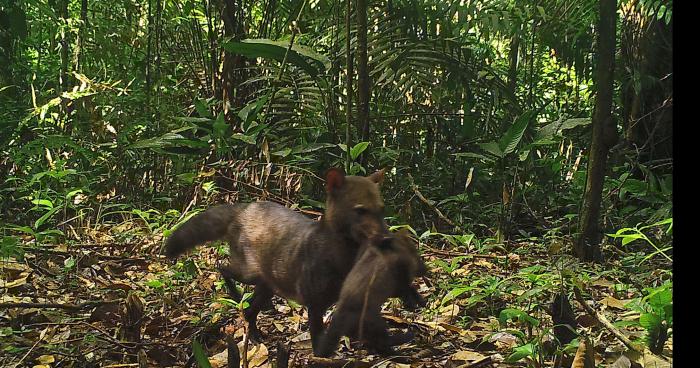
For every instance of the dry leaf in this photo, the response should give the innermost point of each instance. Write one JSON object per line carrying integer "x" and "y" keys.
{"x": 584, "y": 355}
{"x": 17, "y": 282}
{"x": 448, "y": 313}
{"x": 621, "y": 362}
{"x": 466, "y": 356}
{"x": 257, "y": 355}
{"x": 504, "y": 339}
{"x": 613, "y": 303}
{"x": 484, "y": 263}
{"x": 46, "y": 359}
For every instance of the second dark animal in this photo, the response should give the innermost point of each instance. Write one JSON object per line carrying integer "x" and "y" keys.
{"x": 381, "y": 272}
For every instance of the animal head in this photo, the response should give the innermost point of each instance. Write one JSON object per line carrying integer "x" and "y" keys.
{"x": 354, "y": 205}
{"x": 400, "y": 250}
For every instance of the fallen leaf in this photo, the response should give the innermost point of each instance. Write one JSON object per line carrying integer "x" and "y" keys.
{"x": 613, "y": 303}
{"x": 467, "y": 356}
{"x": 484, "y": 263}
{"x": 60, "y": 337}
{"x": 603, "y": 282}
{"x": 504, "y": 339}
{"x": 17, "y": 282}
{"x": 584, "y": 357}
{"x": 469, "y": 336}
{"x": 621, "y": 362}
{"x": 46, "y": 359}
{"x": 257, "y": 354}
{"x": 449, "y": 311}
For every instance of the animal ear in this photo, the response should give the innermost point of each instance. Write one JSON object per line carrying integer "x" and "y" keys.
{"x": 335, "y": 178}
{"x": 378, "y": 176}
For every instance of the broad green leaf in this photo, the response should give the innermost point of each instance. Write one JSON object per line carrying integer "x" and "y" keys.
{"x": 456, "y": 292}
{"x": 40, "y": 221}
{"x": 514, "y": 134}
{"x": 299, "y": 56}
{"x": 200, "y": 355}
{"x": 357, "y": 150}
{"x": 220, "y": 126}
{"x": 521, "y": 352}
{"x": 43, "y": 202}
{"x": 522, "y": 316}
{"x": 649, "y": 321}
{"x": 492, "y": 148}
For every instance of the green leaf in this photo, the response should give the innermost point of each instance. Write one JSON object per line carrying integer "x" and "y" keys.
{"x": 649, "y": 321}
{"x": 521, "y": 352}
{"x": 514, "y": 134}
{"x": 511, "y": 313}
{"x": 282, "y": 153}
{"x": 492, "y": 148}
{"x": 40, "y": 221}
{"x": 73, "y": 193}
{"x": 69, "y": 263}
{"x": 311, "y": 147}
{"x": 43, "y": 202}
{"x": 454, "y": 293}
{"x": 300, "y": 56}
{"x": 200, "y": 355}
{"x": 357, "y": 150}
{"x": 156, "y": 284}
{"x": 473, "y": 155}
{"x": 220, "y": 126}
{"x": 243, "y": 137}
{"x": 542, "y": 12}
{"x": 162, "y": 141}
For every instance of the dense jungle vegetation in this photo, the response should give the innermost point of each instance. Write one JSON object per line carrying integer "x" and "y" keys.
{"x": 528, "y": 147}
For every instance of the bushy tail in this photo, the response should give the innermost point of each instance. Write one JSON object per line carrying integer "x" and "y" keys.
{"x": 206, "y": 226}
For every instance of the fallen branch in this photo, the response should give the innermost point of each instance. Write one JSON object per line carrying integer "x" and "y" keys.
{"x": 604, "y": 321}
{"x": 427, "y": 202}
{"x": 457, "y": 254}
{"x": 80, "y": 306}
{"x": 328, "y": 362}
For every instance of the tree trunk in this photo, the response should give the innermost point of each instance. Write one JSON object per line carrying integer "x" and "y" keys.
{"x": 231, "y": 74}
{"x": 362, "y": 76}
{"x": 348, "y": 82}
{"x": 587, "y": 247}
{"x": 80, "y": 40}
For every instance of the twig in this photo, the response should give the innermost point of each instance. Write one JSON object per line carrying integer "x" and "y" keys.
{"x": 88, "y": 253}
{"x": 57, "y": 305}
{"x": 457, "y": 254}
{"x": 479, "y": 363}
{"x": 604, "y": 321}
{"x": 427, "y": 202}
{"x": 28, "y": 352}
{"x": 328, "y": 362}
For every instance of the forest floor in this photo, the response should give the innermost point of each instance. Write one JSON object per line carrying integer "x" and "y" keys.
{"x": 108, "y": 303}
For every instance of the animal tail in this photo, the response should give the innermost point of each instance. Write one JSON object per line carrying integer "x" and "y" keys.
{"x": 209, "y": 225}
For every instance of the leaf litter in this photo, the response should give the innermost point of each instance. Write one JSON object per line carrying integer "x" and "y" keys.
{"x": 75, "y": 314}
